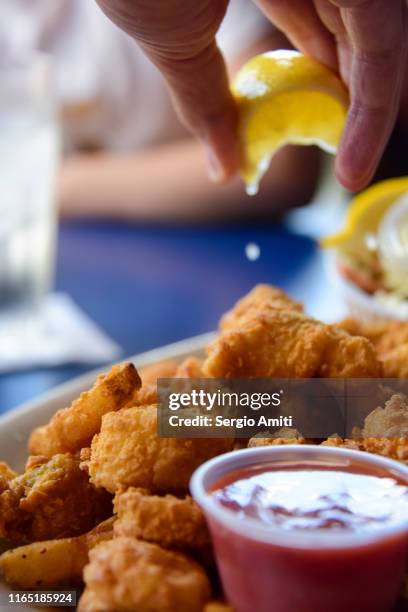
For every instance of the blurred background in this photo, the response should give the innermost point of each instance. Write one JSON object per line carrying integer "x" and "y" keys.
{"x": 112, "y": 239}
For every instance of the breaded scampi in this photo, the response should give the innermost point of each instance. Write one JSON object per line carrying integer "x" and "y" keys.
{"x": 168, "y": 521}
{"x": 72, "y": 428}
{"x": 126, "y": 574}
{"x": 128, "y": 452}
{"x": 52, "y": 499}
{"x": 54, "y": 561}
{"x": 271, "y": 337}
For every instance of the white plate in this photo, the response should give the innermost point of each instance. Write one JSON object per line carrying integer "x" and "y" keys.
{"x": 16, "y": 425}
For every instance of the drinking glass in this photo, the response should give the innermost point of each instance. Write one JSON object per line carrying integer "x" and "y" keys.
{"x": 29, "y": 154}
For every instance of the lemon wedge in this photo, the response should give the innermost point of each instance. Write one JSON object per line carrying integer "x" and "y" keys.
{"x": 283, "y": 98}
{"x": 364, "y": 215}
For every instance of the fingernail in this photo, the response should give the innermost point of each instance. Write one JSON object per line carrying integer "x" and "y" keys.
{"x": 214, "y": 167}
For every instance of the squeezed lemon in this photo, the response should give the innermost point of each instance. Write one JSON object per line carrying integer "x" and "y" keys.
{"x": 283, "y": 98}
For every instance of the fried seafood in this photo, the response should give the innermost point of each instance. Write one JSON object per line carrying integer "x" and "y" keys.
{"x": 71, "y": 429}
{"x": 388, "y": 422}
{"x": 286, "y": 435}
{"x": 385, "y": 335}
{"x": 168, "y": 520}
{"x": 147, "y": 395}
{"x": 256, "y": 299}
{"x": 151, "y": 556}
{"x": 390, "y": 339}
{"x": 126, "y": 574}
{"x": 385, "y": 431}
{"x": 6, "y": 475}
{"x": 394, "y": 448}
{"x": 395, "y": 362}
{"x": 191, "y": 367}
{"x": 270, "y": 337}
{"x": 52, "y": 499}
{"x": 53, "y": 561}
{"x": 163, "y": 369}
{"x": 128, "y": 452}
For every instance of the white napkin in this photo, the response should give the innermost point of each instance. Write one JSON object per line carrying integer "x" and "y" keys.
{"x": 60, "y": 333}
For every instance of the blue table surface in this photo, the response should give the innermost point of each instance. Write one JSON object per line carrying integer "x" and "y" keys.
{"x": 147, "y": 286}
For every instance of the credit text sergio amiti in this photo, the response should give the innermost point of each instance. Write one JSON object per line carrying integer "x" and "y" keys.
{"x": 223, "y": 399}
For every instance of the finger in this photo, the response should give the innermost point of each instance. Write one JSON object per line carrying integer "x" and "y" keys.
{"x": 300, "y": 22}
{"x": 331, "y": 18}
{"x": 202, "y": 98}
{"x": 378, "y": 34}
{"x": 179, "y": 37}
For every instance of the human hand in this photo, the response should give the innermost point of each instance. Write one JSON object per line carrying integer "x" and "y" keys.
{"x": 365, "y": 40}
{"x": 179, "y": 37}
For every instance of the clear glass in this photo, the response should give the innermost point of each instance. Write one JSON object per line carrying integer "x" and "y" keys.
{"x": 29, "y": 154}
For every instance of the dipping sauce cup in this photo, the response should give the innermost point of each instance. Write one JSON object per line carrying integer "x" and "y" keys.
{"x": 274, "y": 560}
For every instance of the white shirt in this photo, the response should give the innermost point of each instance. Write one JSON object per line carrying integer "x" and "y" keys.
{"x": 110, "y": 93}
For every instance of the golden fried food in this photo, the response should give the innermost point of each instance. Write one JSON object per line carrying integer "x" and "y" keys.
{"x": 191, "y": 367}
{"x": 145, "y": 558}
{"x": 394, "y": 448}
{"x": 6, "y": 475}
{"x": 257, "y": 298}
{"x": 267, "y": 343}
{"x": 285, "y": 435}
{"x": 348, "y": 357}
{"x": 53, "y": 561}
{"x": 385, "y": 335}
{"x": 395, "y": 362}
{"x": 71, "y": 429}
{"x": 384, "y": 433}
{"x": 168, "y": 520}
{"x": 147, "y": 395}
{"x": 52, "y": 499}
{"x": 388, "y": 422}
{"x": 128, "y": 575}
{"x": 390, "y": 339}
{"x": 128, "y": 452}
{"x": 163, "y": 369}
{"x": 268, "y": 340}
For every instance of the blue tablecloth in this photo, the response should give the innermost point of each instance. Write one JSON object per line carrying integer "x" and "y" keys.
{"x": 149, "y": 286}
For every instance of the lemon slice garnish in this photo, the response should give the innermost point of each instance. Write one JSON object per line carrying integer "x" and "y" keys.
{"x": 283, "y": 98}
{"x": 364, "y": 215}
